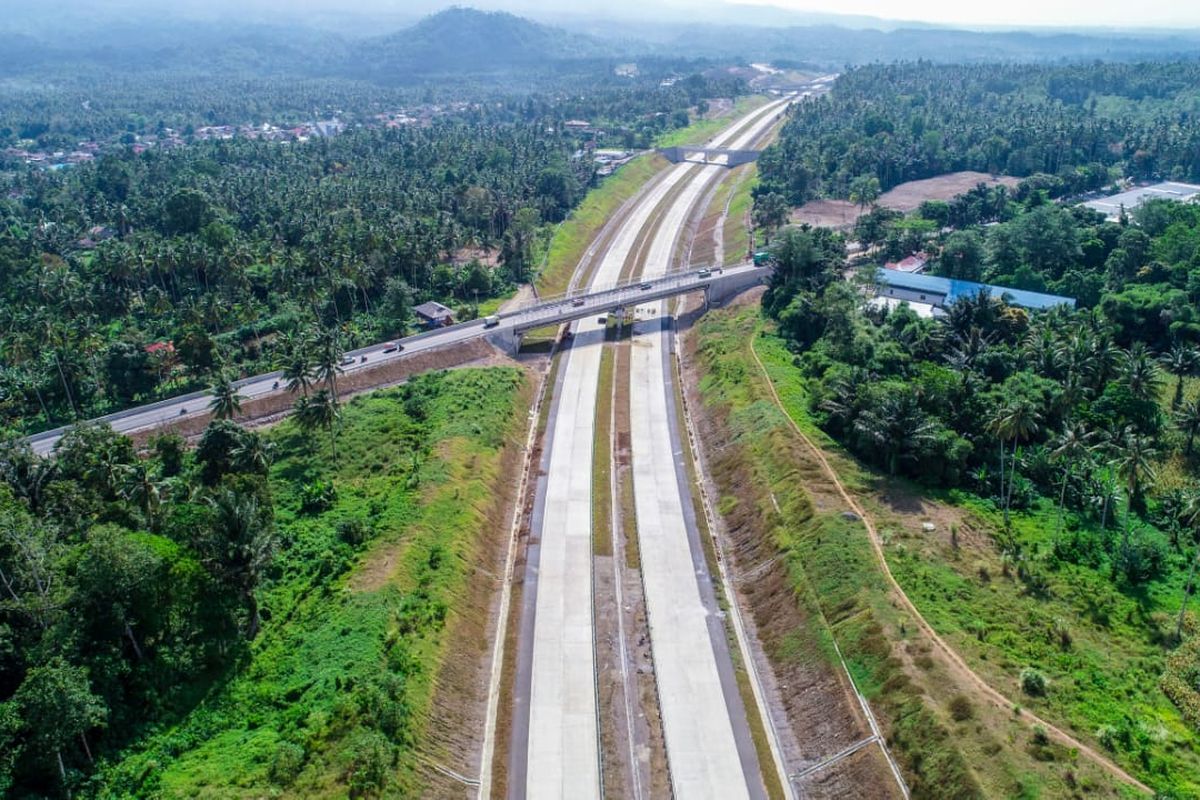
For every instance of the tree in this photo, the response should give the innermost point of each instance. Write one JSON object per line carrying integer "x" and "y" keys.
{"x": 320, "y": 411}
{"x": 242, "y": 545}
{"x": 962, "y": 256}
{"x": 1180, "y": 361}
{"x": 226, "y": 402}
{"x": 1073, "y": 445}
{"x": 1135, "y": 466}
{"x": 1015, "y": 422}
{"x": 771, "y": 211}
{"x": 1191, "y": 515}
{"x": 864, "y": 191}
{"x": 186, "y": 211}
{"x": 57, "y": 704}
{"x": 1187, "y": 420}
{"x": 896, "y": 427}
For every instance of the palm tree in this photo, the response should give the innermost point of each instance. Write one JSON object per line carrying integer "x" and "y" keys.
{"x": 1187, "y": 420}
{"x": 1075, "y": 443}
{"x": 1140, "y": 373}
{"x": 1191, "y": 517}
{"x": 1180, "y": 361}
{"x": 1135, "y": 466}
{"x": 245, "y": 545}
{"x": 140, "y": 488}
{"x": 1016, "y": 422}
{"x": 226, "y": 402}
{"x": 897, "y": 427}
{"x": 328, "y": 359}
{"x": 320, "y": 411}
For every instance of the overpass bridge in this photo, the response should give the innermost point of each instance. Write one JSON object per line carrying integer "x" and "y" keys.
{"x": 716, "y": 283}
{"x": 710, "y": 156}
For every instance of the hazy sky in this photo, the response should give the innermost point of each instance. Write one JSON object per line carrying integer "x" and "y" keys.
{"x": 1074, "y": 13}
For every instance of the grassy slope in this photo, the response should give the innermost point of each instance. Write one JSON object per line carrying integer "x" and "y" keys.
{"x": 834, "y": 571}
{"x": 573, "y": 236}
{"x": 344, "y": 620}
{"x": 702, "y": 130}
{"x": 1109, "y": 673}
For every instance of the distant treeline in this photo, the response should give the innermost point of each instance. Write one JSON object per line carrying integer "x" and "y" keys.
{"x": 1084, "y": 124}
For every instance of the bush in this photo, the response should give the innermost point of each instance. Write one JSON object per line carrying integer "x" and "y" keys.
{"x": 370, "y": 764}
{"x": 285, "y": 763}
{"x": 317, "y": 496}
{"x": 353, "y": 531}
{"x": 961, "y": 709}
{"x": 1033, "y": 683}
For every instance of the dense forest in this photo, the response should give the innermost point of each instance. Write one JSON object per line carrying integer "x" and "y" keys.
{"x": 227, "y": 250}
{"x": 1083, "y": 124}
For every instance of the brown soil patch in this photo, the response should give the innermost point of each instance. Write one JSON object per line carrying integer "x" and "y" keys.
{"x": 908, "y": 196}
{"x": 839, "y": 214}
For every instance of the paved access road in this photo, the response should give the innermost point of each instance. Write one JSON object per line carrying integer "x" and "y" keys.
{"x": 555, "y": 743}
{"x": 601, "y": 299}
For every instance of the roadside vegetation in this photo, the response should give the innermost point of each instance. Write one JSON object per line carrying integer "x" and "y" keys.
{"x": 940, "y": 729}
{"x": 1063, "y": 439}
{"x": 258, "y": 616}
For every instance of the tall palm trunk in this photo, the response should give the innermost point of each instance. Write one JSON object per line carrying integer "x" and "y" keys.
{"x": 1062, "y": 500}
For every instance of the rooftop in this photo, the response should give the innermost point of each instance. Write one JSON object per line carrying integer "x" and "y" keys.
{"x": 1111, "y": 206}
{"x": 954, "y": 289}
{"x": 432, "y": 310}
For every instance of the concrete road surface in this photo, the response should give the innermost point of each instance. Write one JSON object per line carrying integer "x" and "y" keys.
{"x": 555, "y": 743}
{"x": 709, "y": 747}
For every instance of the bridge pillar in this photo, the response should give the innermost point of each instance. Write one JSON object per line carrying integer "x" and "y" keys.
{"x": 508, "y": 341}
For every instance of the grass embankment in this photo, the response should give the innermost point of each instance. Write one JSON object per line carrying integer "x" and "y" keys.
{"x": 370, "y": 589}
{"x": 737, "y": 232}
{"x": 572, "y": 237}
{"x": 702, "y": 130}
{"x": 949, "y": 740}
{"x": 1100, "y": 649}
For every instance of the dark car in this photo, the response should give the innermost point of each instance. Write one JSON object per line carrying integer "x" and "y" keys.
{"x": 393, "y": 347}
{"x": 577, "y": 302}
{"x": 646, "y": 286}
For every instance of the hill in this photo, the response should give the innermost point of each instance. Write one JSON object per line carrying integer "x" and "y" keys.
{"x": 464, "y": 40}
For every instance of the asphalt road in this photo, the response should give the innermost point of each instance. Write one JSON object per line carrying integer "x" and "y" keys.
{"x": 606, "y": 296}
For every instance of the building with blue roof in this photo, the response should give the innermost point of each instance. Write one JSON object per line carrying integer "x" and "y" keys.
{"x": 942, "y": 292}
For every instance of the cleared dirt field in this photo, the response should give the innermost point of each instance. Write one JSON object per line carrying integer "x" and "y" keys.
{"x": 906, "y": 197}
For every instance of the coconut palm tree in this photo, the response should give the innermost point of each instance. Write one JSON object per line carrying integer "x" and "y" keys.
{"x": 1191, "y": 517}
{"x": 1016, "y": 422}
{"x": 226, "y": 403}
{"x": 1181, "y": 361}
{"x": 1140, "y": 373}
{"x": 896, "y": 427}
{"x": 1187, "y": 421}
{"x": 1134, "y": 464}
{"x": 1075, "y": 443}
{"x": 321, "y": 410}
{"x": 245, "y": 544}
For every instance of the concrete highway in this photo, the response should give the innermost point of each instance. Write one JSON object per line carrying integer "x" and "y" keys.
{"x": 709, "y": 748}
{"x": 555, "y": 748}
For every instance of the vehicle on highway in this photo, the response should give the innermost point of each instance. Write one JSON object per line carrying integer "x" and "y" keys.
{"x": 363, "y": 359}
{"x": 704, "y": 273}
{"x": 577, "y": 302}
{"x": 347, "y": 361}
{"x": 393, "y": 347}
{"x": 646, "y": 286}
{"x": 762, "y": 258}
{"x": 491, "y": 321}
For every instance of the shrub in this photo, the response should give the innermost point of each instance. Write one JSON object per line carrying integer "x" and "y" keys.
{"x": 353, "y": 531}
{"x": 1033, "y": 683}
{"x": 285, "y": 763}
{"x": 317, "y": 496}
{"x": 961, "y": 709}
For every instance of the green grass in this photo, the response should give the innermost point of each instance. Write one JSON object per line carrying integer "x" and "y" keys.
{"x": 1107, "y": 677}
{"x": 572, "y": 237}
{"x": 829, "y": 564}
{"x": 355, "y": 631}
{"x": 702, "y": 130}
{"x": 737, "y": 234}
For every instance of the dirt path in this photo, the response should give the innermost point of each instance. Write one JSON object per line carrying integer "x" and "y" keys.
{"x": 956, "y": 663}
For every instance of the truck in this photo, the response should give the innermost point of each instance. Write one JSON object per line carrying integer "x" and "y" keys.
{"x": 762, "y": 258}
{"x": 491, "y": 321}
